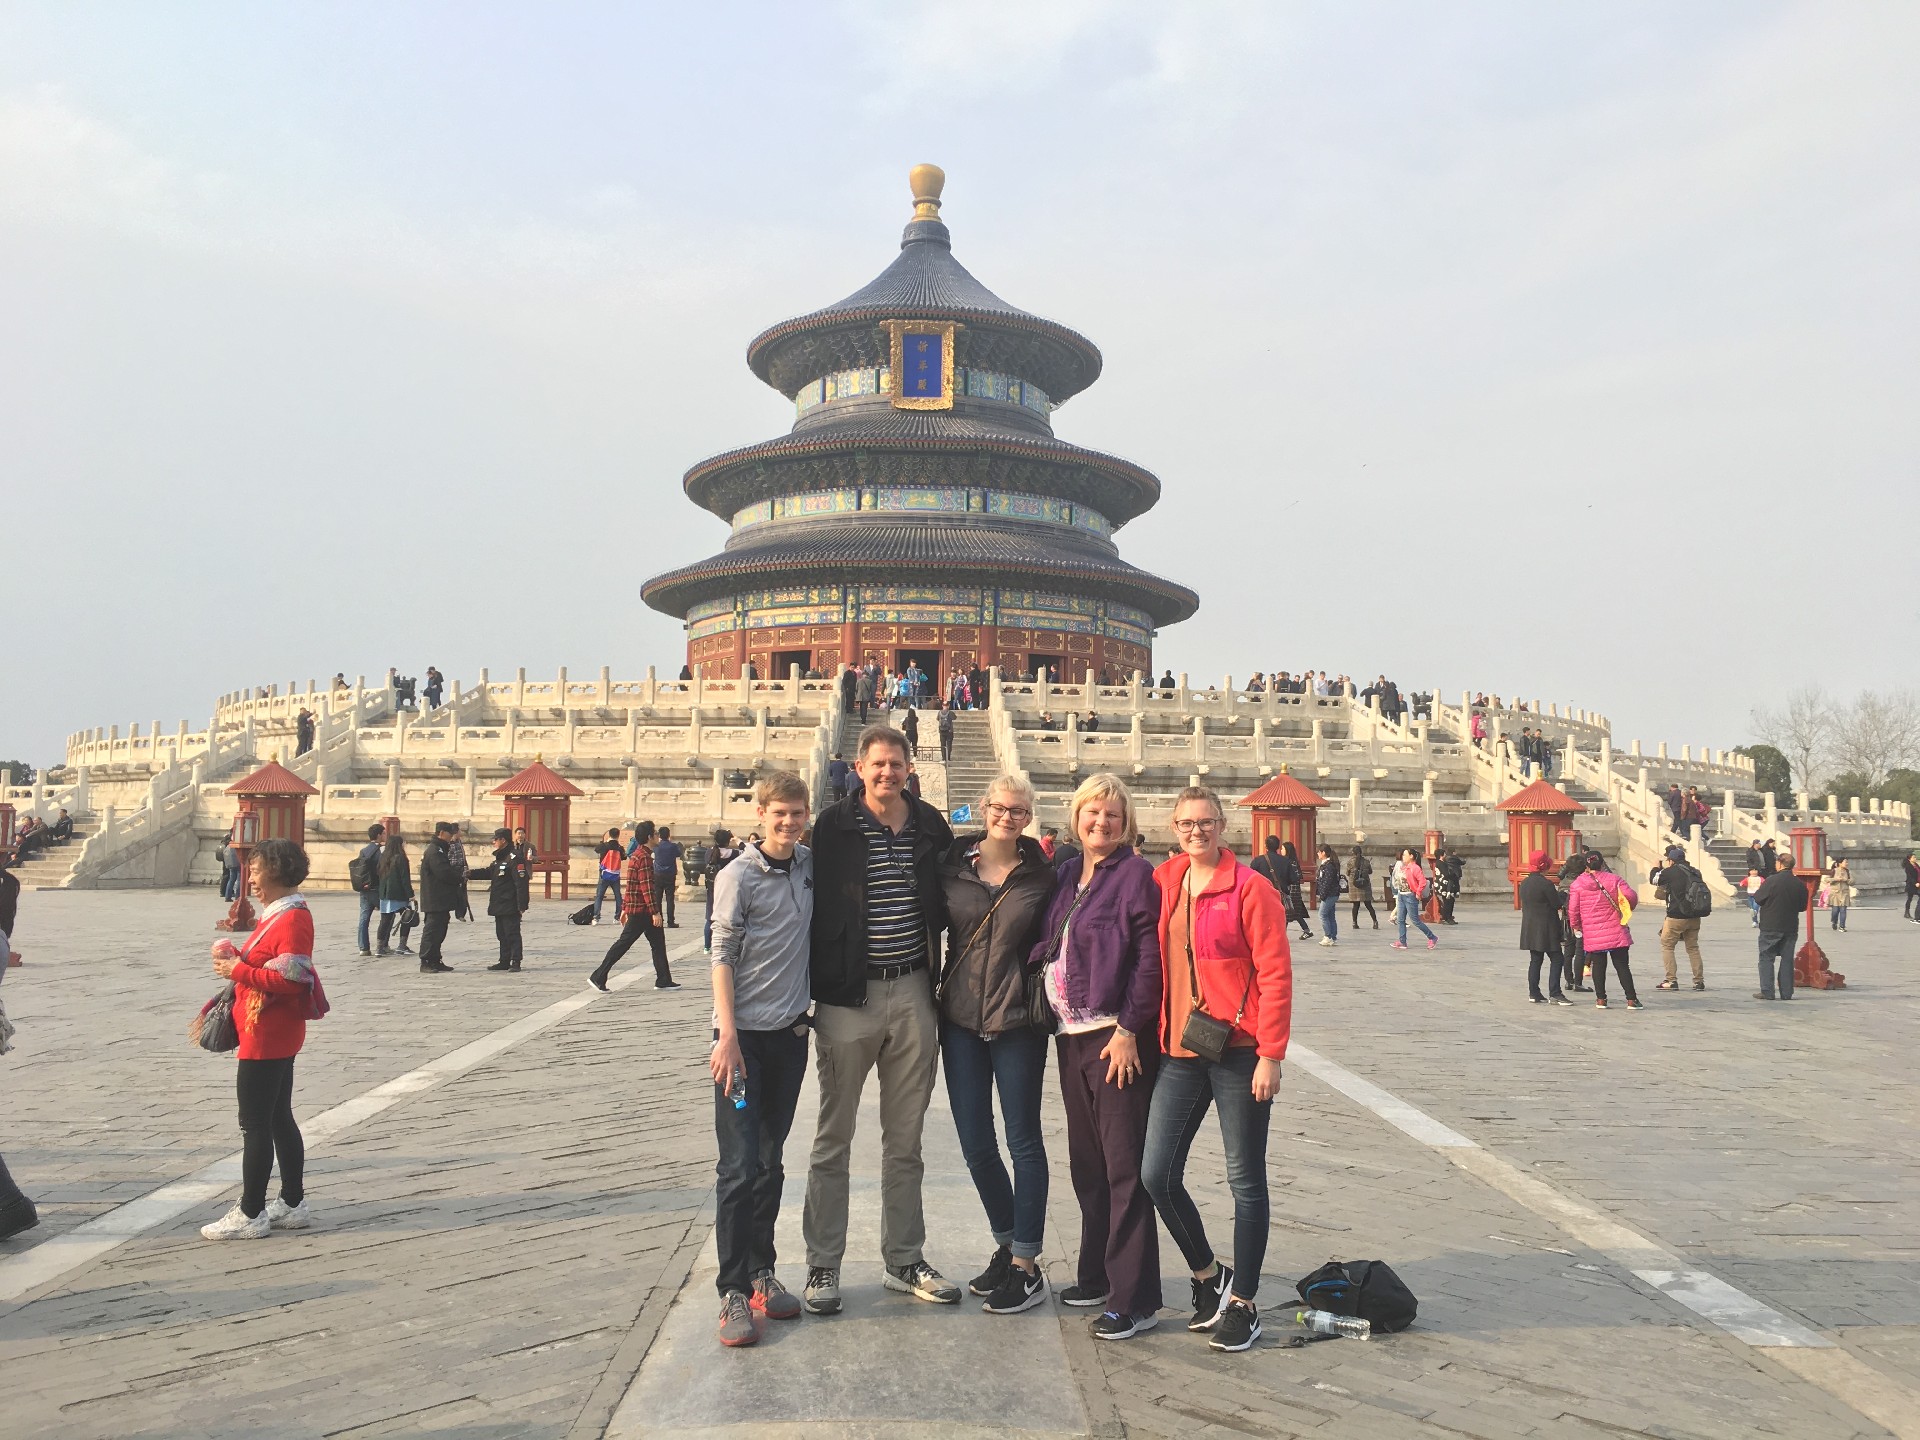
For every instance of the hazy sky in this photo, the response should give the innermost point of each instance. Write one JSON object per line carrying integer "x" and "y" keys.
{"x": 1568, "y": 350}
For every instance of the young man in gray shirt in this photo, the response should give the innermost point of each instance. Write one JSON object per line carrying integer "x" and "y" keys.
{"x": 762, "y": 922}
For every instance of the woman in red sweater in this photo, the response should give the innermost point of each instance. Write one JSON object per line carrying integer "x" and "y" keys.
{"x": 1223, "y": 948}
{"x": 276, "y": 991}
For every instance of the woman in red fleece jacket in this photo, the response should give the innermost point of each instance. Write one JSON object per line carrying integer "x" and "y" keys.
{"x": 1223, "y": 948}
{"x": 275, "y": 992}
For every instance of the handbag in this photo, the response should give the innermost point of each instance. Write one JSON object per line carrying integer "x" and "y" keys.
{"x": 409, "y": 917}
{"x": 214, "y": 1028}
{"x": 1040, "y": 1014}
{"x": 1206, "y": 1035}
{"x": 1620, "y": 902}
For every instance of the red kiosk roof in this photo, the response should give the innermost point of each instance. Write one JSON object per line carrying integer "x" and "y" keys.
{"x": 1540, "y": 798}
{"x": 1283, "y": 792}
{"x": 538, "y": 780}
{"x": 272, "y": 778}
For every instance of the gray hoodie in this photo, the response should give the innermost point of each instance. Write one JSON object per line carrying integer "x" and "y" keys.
{"x": 762, "y": 921}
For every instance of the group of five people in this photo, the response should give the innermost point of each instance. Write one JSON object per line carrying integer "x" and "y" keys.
{"x": 1166, "y": 992}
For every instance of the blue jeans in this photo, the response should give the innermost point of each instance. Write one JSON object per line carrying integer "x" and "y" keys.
{"x": 1186, "y": 1086}
{"x": 1330, "y": 917}
{"x": 1407, "y": 907}
{"x": 1776, "y": 951}
{"x": 1837, "y": 917}
{"x": 369, "y": 902}
{"x": 1014, "y": 1064}
{"x": 609, "y": 881}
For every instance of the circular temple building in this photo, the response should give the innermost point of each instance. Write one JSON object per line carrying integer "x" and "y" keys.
{"x": 921, "y": 508}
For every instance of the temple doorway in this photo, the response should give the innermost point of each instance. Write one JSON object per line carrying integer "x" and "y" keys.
{"x": 785, "y": 658}
{"x": 929, "y": 663}
{"x": 1053, "y": 664}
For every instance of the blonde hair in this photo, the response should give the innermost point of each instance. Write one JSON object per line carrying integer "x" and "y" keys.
{"x": 1104, "y": 786}
{"x": 1013, "y": 782}
{"x": 780, "y": 785}
{"x": 1199, "y": 794}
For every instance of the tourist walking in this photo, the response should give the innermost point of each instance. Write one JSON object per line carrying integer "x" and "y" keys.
{"x": 719, "y": 855}
{"x": 1782, "y": 898}
{"x": 1360, "y": 886}
{"x": 1448, "y": 872}
{"x": 946, "y": 733}
{"x": 1910, "y": 874}
{"x": 457, "y": 854}
{"x": 997, "y": 883}
{"x": 910, "y": 727}
{"x": 524, "y": 856}
{"x": 396, "y": 894}
{"x": 1280, "y": 867}
{"x": 863, "y": 694}
{"x": 440, "y": 892}
{"x": 1570, "y": 871}
{"x": 878, "y": 906}
{"x": 1839, "y": 894}
{"x": 17, "y": 1212}
{"x": 228, "y": 857}
{"x": 303, "y": 728}
{"x": 1675, "y": 883}
{"x": 1103, "y": 981}
{"x": 431, "y": 691}
{"x": 276, "y": 990}
{"x": 1224, "y": 967}
{"x": 1540, "y": 930}
{"x": 763, "y": 919}
{"x": 666, "y": 875}
{"x": 613, "y": 857}
{"x": 1409, "y": 881}
{"x": 1326, "y": 889}
{"x": 502, "y": 874}
{"x": 641, "y": 915}
{"x": 363, "y": 874}
{"x": 1594, "y": 912}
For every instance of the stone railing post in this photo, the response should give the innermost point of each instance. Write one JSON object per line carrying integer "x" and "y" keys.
{"x": 1136, "y": 739}
{"x": 650, "y": 695}
{"x": 469, "y": 790}
{"x": 1353, "y": 806}
{"x": 320, "y": 784}
{"x": 392, "y": 798}
{"x": 1427, "y": 807}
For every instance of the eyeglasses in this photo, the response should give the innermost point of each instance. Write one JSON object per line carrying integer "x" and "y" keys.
{"x": 1188, "y": 827}
{"x": 1009, "y": 812}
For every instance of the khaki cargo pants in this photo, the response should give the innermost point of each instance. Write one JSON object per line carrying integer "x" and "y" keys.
{"x": 1675, "y": 932}
{"x": 897, "y": 1032}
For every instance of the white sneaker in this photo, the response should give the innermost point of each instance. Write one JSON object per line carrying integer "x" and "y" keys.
{"x": 283, "y": 1216}
{"x": 1324, "y": 941}
{"x": 234, "y": 1225}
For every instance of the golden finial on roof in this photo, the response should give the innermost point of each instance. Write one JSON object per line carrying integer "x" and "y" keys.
{"x": 927, "y": 182}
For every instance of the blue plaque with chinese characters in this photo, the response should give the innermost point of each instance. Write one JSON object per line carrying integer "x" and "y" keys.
{"x": 922, "y": 364}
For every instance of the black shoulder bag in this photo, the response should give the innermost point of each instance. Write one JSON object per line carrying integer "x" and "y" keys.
{"x": 1203, "y": 1034}
{"x": 1039, "y": 1006}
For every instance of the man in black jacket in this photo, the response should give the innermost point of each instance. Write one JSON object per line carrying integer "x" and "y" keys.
{"x": 1782, "y": 897}
{"x": 504, "y": 898}
{"x": 1673, "y": 880}
{"x": 439, "y": 895}
{"x": 878, "y": 910}
{"x": 369, "y": 861}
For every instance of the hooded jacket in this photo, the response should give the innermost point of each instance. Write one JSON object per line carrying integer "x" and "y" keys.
{"x": 839, "y": 943}
{"x": 983, "y": 984}
{"x": 1591, "y": 910}
{"x": 1239, "y": 936}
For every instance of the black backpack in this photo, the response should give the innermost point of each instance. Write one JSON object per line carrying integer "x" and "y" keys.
{"x": 1367, "y": 1288}
{"x": 582, "y": 916}
{"x": 1695, "y": 898}
{"x": 360, "y": 872}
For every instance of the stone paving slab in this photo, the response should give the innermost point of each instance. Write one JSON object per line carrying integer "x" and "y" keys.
{"x": 500, "y": 1255}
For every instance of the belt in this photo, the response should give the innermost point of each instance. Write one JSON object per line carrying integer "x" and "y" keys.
{"x": 894, "y": 972}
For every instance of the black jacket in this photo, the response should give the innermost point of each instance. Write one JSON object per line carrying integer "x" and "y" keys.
{"x": 983, "y": 985}
{"x": 1540, "y": 906}
{"x": 502, "y": 875}
{"x": 839, "y": 951}
{"x": 1326, "y": 880}
{"x": 1781, "y": 897}
{"x": 440, "y": 887}
{"x": 1671, "y": 885}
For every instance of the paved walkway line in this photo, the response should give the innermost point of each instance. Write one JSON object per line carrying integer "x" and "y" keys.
{"x": 63, "y": 1254}
{"x": 1806, "y": 1352}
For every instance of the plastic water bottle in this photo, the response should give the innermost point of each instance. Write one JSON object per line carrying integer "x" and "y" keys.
{"x": 1325, "y": 1322}
{"x": 737, "y": 1089}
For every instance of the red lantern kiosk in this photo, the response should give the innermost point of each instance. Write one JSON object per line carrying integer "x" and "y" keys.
{"x": 273, "y": 806}
{"x": 1810, "y": 969}
{"x": 1537, "y": 818}
{"x": 1284, "y": 807}
{"x": 542, "y": 802}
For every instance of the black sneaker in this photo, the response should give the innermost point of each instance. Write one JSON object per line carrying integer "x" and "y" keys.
{"x": 598, "y": 981}
{"x": 1239, "y": 1327}
{"x": 1084, "y": 1297}
{"x": 923, "y": 1282}
{"x": 500, "y": 965}
{"x": 665, "y": 985}
{"x": 17, "y": 1214}
{"x": 1111, "y": 1326}
{"x": 994, "y": 1276}
{"x": 1210, "y": 1298}
{"x": 1021, "y": 1290}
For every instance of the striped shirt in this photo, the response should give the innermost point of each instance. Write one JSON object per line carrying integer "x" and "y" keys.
{"x": 896, "y": 930}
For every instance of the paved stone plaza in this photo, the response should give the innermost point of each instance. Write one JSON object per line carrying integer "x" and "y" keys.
{"x": 514, "y": 1236}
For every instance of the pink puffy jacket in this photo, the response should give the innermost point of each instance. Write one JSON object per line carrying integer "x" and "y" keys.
{"x": 1591, "y": 910}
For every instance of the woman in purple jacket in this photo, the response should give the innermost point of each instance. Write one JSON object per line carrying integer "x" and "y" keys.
{"x": 1101, "y": 959}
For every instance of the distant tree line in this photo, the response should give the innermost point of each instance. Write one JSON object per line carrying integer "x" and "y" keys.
{"x": 1867, "y": 747}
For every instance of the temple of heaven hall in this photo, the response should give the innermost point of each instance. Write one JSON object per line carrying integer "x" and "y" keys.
{"x": 921, "y": 510}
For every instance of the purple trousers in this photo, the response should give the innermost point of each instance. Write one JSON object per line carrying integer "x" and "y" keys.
{"x": 1106, "y": 1142}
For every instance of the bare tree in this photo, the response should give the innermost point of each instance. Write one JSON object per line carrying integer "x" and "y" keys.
{"x": 1803, "y": 730}
{"x": 1877, "y": 733}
